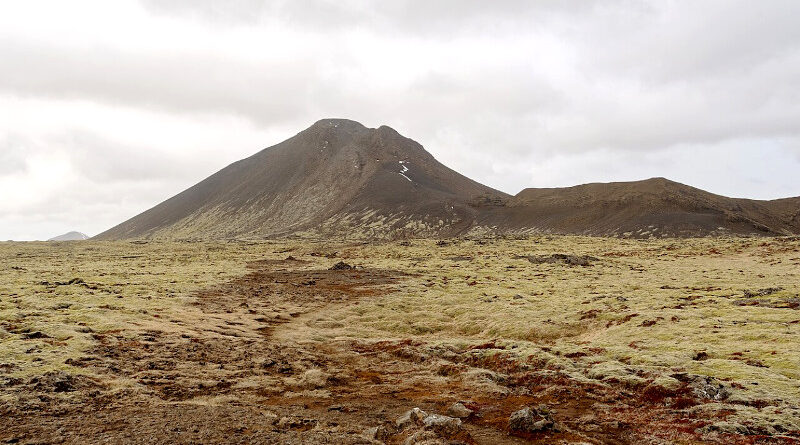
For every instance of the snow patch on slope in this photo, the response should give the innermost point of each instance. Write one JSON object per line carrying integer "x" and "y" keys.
{"x": 405, "y": 170}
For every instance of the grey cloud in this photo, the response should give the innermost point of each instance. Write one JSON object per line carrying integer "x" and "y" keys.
{"x": 650, "y": 84}
{"x": 232, "y": 11}
{"x": 173, "y": 82}
{"x": 426, "y": 17}
{"x": 704, "y": 39}
{"x": 85, "y": 206}
{"x": 12, "y": 154}
{"x": 641, "y": 82}
{"x": 495, "y": 89}
{"x": 109, "y": 180}
{"x": 100, "y": 160}
{"x": 103, "y": 161}
{"x": 500, "y": 108}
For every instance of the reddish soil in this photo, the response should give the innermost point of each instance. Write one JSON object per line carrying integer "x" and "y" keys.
{"x": 227, "y": 379}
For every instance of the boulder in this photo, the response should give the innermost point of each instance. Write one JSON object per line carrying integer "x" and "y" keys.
{"x": 709, "y": 388}
{"x": 341, "y": 265}
{"x": 414, "y": 416}
{"x": 459, "y": 411}
{"x": 532, "y": 420}
{"x": 420, "y": 427}
{"x": 443, "y": 425}
{"x": 379, "y": 433}
{"x": 425, "y": 437}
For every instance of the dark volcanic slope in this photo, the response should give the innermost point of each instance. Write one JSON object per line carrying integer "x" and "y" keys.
{"x": 335, "y": 177}
{"x": 657, "y": 207}
{"x": 341, "y": 178}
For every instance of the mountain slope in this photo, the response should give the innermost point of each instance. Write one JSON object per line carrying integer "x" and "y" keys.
{"x": 339, "y": 178}
{"x": 657, "y": 206}
{"x": 336, "y": 177}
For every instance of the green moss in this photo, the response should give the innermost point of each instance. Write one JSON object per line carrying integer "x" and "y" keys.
{"x": 638, "y": 314}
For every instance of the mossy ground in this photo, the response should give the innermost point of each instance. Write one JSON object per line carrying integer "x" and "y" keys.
{"x": 643, "y": 310}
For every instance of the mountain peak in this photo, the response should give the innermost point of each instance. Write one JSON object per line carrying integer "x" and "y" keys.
{"x": 388, "y": 130}
{"x": 351, "y": 126}
{"x": 337, "y": 123}
{"x": 340, "y": 178}
{"x": 326, "y": 177}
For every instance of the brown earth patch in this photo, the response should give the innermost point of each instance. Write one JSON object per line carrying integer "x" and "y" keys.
{"x": 221, "y": 375}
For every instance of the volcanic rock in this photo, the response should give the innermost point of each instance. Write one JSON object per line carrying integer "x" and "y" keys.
{"x": 531, "y": 420}
{"x": 336, "y": 177}
{"x": 340, "y": 178}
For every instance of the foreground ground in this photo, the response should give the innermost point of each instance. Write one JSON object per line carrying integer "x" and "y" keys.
{"x": 656, "y": 341}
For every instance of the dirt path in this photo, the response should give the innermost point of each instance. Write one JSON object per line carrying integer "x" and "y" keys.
{"x": 235, "y": 371}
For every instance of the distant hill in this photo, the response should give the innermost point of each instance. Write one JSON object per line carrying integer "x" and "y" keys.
{"x": 339, "y": 178}
{"x": 70, "y": 236}
{"x": 656, "y": 206}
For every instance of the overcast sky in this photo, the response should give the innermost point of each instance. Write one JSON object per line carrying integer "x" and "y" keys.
{"x": 109, "y": 107}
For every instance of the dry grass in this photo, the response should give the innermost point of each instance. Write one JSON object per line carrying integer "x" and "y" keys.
{"x": 643, "y": 310}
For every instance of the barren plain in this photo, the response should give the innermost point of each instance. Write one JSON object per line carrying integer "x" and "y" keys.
{"x": 299, "y": 341}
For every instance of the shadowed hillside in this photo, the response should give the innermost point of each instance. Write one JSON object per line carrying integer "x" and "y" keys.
{"x": 656, "y": 206}
{"x": 339, "y": 178}
{"x": 335, "y": 177}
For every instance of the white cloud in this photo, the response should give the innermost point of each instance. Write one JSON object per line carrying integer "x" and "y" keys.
{"x": 109, "y": 107}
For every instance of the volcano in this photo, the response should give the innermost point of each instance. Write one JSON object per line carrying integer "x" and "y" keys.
{"x": 336, "y": 178}
{"x": 339, "y": 178}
